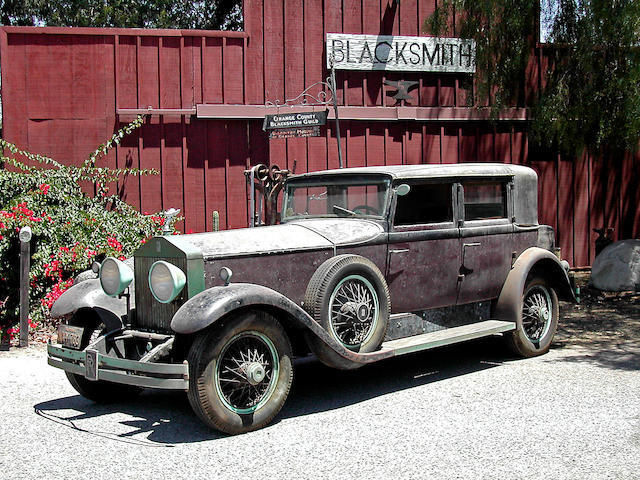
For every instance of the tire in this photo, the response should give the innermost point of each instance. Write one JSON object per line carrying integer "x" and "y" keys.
{"x": 537, "y": 324}
{"x": 100, "y": 391}
{"x": 349, "y": 298}
{"x": 236, "y": 392}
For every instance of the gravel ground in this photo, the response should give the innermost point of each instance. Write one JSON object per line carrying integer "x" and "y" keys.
{"x": 467, "y": 411}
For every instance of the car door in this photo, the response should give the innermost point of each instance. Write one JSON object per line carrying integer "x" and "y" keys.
{"x": 423, "y": 252}
{"x": 486, "y": 238}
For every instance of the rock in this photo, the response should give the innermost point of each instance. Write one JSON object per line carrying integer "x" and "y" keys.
{"x": 617, "y": 268}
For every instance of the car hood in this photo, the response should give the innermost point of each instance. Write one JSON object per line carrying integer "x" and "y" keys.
{"x": 295, "y": 236}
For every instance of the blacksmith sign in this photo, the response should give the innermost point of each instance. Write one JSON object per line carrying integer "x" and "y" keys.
{"x": 398, "y": 53}
{"x": 302, "y": 124}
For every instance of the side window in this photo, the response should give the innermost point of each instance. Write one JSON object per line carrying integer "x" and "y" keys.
{"x": 430, "y": 203}
{"x": 485, "y": 201}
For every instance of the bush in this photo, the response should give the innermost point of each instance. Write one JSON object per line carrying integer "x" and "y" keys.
{"x": 70, "y": 228}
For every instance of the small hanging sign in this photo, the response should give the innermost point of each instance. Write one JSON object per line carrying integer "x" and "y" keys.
{"x": 291, "y": 120}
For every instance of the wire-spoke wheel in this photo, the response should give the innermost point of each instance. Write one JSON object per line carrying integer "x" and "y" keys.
{"x": 538, "y": 320}
{"x": 349, "y": 297}
{"x": 240, "y": 372}
{"x": 536, "y": 312}
{"x": 353, "y": 311}
{"x": 247, "y": 372}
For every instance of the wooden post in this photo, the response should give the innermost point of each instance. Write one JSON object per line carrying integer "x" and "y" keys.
{"x": 25, "y": 260}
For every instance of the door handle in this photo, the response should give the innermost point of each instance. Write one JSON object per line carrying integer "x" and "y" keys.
{"x": 399, "y": 250}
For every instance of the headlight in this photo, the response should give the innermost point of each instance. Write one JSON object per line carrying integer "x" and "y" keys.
{"x": 115, "y": 276}
{"x": 166, "y": 281}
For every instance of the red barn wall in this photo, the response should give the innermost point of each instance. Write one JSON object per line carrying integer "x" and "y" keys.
{"x": 67, "y": 90}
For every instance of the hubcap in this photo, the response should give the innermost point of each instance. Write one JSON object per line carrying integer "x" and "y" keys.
{"x": 536, "y": 313}
{"x": 247, "y": 372}
{"x": 353, "y": 311}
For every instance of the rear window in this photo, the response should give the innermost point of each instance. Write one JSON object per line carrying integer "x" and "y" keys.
{"x": 485, "y": 201}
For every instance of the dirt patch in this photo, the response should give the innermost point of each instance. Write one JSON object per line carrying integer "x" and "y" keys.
{"x": 606, "y": 325}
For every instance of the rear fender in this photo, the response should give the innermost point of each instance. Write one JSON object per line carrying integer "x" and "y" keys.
{"x": 212, "y": 305}
{"x": 539, "y": 262}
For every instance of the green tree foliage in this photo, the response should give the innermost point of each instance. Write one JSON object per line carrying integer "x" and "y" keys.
{"x": 204, "y": 14}
{"x": 590, "y": 95}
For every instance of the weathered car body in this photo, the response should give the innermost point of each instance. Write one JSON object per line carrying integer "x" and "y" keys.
{"x": 367, "y": 263}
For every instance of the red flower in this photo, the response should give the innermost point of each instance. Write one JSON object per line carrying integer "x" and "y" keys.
{"x": 44, "y": 188}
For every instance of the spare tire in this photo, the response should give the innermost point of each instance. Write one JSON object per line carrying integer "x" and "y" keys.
{"x": 349, "y": 297}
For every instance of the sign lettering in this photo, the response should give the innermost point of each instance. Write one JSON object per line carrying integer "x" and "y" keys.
{"x": 399, "y": 53}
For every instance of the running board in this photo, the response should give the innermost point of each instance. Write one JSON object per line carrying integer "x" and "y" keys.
{"x": 445, "y": 337}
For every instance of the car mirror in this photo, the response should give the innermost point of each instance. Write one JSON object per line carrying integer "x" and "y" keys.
{"x": 403, "y": 189}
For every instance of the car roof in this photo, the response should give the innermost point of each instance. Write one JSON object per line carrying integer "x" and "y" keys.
{"x": 428, "y": 171}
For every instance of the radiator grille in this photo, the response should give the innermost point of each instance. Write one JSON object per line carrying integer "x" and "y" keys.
{"x": 151, "y": 314}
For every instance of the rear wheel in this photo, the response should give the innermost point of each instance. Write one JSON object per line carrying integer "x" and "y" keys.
{"x": 538, "y": 321}
{"x": 240, "y": 373}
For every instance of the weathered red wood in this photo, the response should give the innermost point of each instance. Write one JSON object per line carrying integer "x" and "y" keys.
{"x": 356, "y": 144}
{"x": 486, "y": 140}
{"x": 212, "y": 71}
{"x": 233, "y": 87}
{"x": 293, "y": 29}
{"x": 450, "y": 151}
{"x": 172, "y": 174}
{"x": 274, "y": 51}
{"x": 597, "y": 199}
{"x": 468, "y": 144}
{"x": 502, "y": 145}
{"x": 547, "y": 191}
{"x": 581, "y": 226}
{"x": 393, "y": 144}
{"x": 413, "y": 143}
{"x": 148, "y": 72}
{"x": 564, "y": 234}
{"x": 375, "y": 144}
{"x": 169, "y": 73}
{"x": 193, "y": 171}
{"x": 611, "y": 179}
{"x": 150, "y": 158}
{"x": 254, "y": 78}
{"x": 431, "y": 144}
{"x": 216, "y": 180}
{"x": 238, "y": 162}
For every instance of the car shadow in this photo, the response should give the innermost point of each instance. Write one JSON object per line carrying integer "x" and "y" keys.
{"x": 164, "y": 419}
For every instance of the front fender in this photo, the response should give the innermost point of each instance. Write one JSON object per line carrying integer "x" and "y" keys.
{"x": 541, "y": 262}
{"x": 207, "y": 307}
{"x": 89, "y": 294}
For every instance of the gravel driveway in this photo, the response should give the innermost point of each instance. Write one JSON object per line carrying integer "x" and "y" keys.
{"x": 468, "y": 411}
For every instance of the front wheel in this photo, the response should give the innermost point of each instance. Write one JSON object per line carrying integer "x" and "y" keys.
{"x": 538, "y": 321}
{"x": 240, "y": 373}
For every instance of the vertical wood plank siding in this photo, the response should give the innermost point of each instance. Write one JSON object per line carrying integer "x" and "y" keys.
{"x": 61, "y": 89}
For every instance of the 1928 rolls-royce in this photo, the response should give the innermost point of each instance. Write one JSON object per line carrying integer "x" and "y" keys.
{"x": 366, "y": 264}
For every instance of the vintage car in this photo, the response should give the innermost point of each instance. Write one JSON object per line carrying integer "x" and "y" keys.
{"x": 366, "y": 264}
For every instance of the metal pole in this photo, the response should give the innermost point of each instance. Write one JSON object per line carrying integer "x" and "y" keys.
{"x": 335, "y": 107}
{"x": 25, "y": 260}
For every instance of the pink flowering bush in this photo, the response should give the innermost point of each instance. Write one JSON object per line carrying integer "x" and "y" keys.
{"x": 70, "y": 228}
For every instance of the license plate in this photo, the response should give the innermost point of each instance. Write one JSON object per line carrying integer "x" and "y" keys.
{"x": 91, "y": 365}
{"x": 70, "y": 336}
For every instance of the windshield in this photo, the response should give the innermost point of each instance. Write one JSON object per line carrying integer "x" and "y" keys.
{"x": 335, "y": 197}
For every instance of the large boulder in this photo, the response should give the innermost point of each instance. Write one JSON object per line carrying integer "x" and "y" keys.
{"x": 617, "y": 268}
